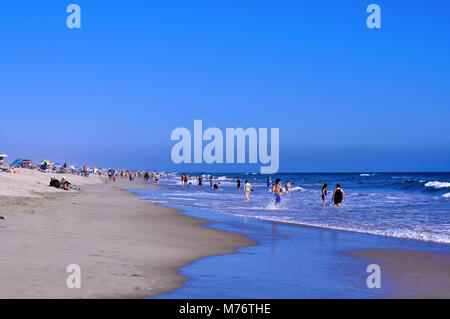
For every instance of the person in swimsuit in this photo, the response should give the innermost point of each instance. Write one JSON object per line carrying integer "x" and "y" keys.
{"x": 238, "y": 184}
{"x": 287, "y": 186}
{"x": 338, "y": 195}
{"x": 200, "y": 181}
{"x": 269, "y": 182}
{"x": 278, "y": 192}
{"x": 247, "y": 189}
{"x": 324, "y": 193}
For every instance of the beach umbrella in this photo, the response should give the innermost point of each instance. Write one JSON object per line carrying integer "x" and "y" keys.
{"x": 46, "y": 162}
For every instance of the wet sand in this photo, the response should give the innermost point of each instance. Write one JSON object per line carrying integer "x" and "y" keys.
{"x": 412, "y": 274}
{"x": 126, "y": 248}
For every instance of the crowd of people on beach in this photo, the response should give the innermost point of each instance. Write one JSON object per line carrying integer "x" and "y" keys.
{"x": 47, "y": 166}
{"x": 277, "y": 188}
{"x": 113, "y": 175}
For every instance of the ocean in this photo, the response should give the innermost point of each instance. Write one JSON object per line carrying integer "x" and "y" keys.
{"x": 402, "y": 205}
{"x": 303, "y": 250}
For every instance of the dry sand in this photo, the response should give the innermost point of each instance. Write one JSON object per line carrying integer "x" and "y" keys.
{"x": 32, "y": 183}
{"x": 412, "y": 274}
{"x": 126, "y": 248}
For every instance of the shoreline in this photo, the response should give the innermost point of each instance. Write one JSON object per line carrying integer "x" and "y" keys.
{"x": 129, "y": 246}
{"x": 346, "y": 254}
{"x": 126, "y": 247}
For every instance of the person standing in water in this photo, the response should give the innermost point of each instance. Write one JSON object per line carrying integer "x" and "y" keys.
{"x": 338, "y": 195}
{"x": 200, "y": 181}
{"x": 278, "y": 191}
{"x": 269, "y": 182}
{"x": 324, "y": 193}
{"x": 287, "y": 186}
{"x": 247, "y": 189}
{"x": 238, "y": 184}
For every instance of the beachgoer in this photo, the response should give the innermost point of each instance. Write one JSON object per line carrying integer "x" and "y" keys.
{"x": 278, "y": 192}
{"x": 287, "y": 186}
{"x": 269, "y": 181}
{"x": 338, "y": 195}
{"x": 324, "y": 193}
{"x": 247, "y": 189}
{"x": 238, "y": 184}
{"x": 200, "y": 181}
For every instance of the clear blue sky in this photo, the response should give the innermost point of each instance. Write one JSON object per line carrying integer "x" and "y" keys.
{"x": 345, "y": 97}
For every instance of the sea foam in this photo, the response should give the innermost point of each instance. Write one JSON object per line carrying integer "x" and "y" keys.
{"x": 437, "y": 184}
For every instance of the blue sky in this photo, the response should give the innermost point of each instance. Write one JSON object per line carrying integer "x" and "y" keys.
{"x": 345, "y": 97}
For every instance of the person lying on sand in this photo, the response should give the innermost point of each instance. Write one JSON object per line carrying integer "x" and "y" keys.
{"x": 63, "y": 184}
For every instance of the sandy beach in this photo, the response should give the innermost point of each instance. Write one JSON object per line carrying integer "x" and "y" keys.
{"x": 126, "y": 248}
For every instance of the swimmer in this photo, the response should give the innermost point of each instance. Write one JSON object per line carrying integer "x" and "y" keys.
{"x": 247, "y": 189}
{"x": 324, "y": 193}
{"x": 338, "y": 195}
{"x": 269, "y": 181}
{"x": 278, "y": 192}
{"x": 287, "y": 186}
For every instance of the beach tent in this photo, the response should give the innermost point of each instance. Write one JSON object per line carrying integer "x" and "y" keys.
{"x": 26, "y": 162}
{"x": 22, "y": 162}
{"x": 17, "y": 162}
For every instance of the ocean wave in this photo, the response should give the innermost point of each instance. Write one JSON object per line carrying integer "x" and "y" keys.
{"x": 404, "y": 233}
{"x": 436, "y": 184}
{"x": 297, "y": 188}
{"x": 446, "y": 195}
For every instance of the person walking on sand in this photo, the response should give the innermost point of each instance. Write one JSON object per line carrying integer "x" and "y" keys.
{"x": 324, "y": 193}
{"x": 338, "y": 195}
{"x": 247, "y": 189}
